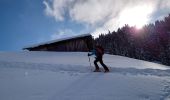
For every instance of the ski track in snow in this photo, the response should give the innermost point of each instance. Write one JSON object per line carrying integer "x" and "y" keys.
{"x": 166, "y": 91}
{"x": 77, "y": 86}
{"x": 68, "y": 76}
{"x": 83, "y": 69}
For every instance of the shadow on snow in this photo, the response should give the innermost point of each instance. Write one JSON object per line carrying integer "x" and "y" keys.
{"x": 83, "y": 69}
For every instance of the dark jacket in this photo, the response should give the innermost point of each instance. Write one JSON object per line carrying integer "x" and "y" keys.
{"x": 98, "y": 52}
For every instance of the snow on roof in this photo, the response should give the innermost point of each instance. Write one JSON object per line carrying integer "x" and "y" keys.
{"x": 58, "y": 40}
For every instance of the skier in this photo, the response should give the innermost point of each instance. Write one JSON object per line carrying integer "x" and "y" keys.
{"x": 98, "y": 52}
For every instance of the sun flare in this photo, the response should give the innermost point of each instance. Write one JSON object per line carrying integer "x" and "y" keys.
{"x": 137, "y": 16}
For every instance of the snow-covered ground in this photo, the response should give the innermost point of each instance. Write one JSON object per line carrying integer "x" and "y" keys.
{"x": 69, "y": 76}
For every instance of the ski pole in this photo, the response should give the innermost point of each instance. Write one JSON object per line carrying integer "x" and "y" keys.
{"x": 89, "y": 61}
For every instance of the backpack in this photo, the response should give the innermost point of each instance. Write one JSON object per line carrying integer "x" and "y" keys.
{"x": 100, "y": 50}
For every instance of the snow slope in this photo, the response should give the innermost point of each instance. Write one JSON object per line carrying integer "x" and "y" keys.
{"x": 69, "y": 76}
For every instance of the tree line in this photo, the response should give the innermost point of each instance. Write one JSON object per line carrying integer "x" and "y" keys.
{"x": 151, "y": 43}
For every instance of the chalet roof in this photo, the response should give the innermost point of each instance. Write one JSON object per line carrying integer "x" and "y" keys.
{"x": 58, "y": 40}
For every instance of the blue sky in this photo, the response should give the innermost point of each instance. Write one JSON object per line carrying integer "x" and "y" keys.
{"x": 26, "y": 22}
{"x": 23, "y": 22}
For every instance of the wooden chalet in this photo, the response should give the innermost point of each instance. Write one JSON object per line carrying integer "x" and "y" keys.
{"x": 80, "y": 43}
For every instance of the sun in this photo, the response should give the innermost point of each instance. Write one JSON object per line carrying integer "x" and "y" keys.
{"x": 135, "y": 16}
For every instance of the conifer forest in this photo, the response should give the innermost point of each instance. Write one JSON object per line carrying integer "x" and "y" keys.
{"x": 150, "y": 43}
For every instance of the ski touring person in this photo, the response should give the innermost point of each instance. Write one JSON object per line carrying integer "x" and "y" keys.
{"x": 98, "y": 52}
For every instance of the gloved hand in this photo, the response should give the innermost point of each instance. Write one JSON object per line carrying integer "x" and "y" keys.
{"x": 88, "y": 54}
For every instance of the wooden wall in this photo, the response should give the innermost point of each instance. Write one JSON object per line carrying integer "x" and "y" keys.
{"x": 81, "y": 44}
